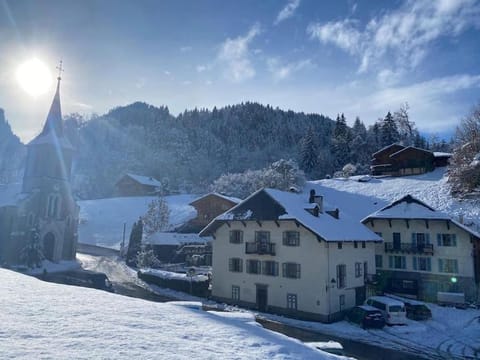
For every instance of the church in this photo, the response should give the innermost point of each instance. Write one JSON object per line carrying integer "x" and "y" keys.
{"x": 42, "y": 205}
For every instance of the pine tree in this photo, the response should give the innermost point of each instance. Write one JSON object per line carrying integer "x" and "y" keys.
{"x": 135, "y": 242}
{"x": 308, "y": 152}
{"x": 32, "y": 253}
{"x": 340, "y": 146}
{"x": 389, "y": 132}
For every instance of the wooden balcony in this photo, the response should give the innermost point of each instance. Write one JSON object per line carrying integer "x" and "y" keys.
{"x": 259, "y": 248}
{"x": 406, "y": 248}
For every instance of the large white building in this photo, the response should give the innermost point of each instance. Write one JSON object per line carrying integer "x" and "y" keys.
{"x": 424, "y": 251}
{"x": 282, "y": 252}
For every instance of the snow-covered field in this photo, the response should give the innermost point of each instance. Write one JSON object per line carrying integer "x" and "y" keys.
{"x": 360, "y": 199}
{"x": 49, "y": 321}
{"x": 101, "y": 220}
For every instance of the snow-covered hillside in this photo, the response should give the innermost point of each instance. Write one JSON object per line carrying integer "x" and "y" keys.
{"x": 359, "y": 199}
{"x": 49, "y": 321}
{"x": 101, "y": 221}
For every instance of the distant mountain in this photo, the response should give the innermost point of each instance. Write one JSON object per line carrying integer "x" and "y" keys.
{"x": 13, "y": 153}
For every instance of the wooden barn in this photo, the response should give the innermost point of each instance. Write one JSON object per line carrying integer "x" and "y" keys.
{"x": 208, "y": 207}
{"x": 137, "y": 185}
{"x": 399, "y": 160}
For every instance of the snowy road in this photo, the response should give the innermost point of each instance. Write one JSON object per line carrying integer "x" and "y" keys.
{"x": 124, "y": 279}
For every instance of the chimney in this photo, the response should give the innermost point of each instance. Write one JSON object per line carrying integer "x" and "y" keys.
{"x": 311, "y": 199}
{"x": 315, "y": 211}
{"x": 318, "y": 199}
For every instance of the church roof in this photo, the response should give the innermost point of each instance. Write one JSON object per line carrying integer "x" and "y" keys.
{"x": 52, "y": 132}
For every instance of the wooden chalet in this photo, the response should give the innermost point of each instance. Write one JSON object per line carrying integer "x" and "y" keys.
{"x": 137, "y": 185}
{"x": 208, "y": 207}
{"x": 399, "y": 160}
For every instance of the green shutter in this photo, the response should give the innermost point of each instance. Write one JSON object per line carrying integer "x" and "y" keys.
{"x": 414, "y": 263}
{"x": 427, "y": 238}
{"x": 414, "y": 239}
{"x": 285, "y": 238}
{"x": 439, "y": 239}
{"x": 454, "y": 240}
{"x": 403, "y": 262}
{"x": 390, "y": 262}
{"x": 429, "y": 264}
{"x": 440, "y": 265}
{"x": 455, "y": 266}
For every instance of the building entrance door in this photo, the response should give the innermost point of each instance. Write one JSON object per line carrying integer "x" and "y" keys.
{"x": 49, "y": 246}
{"x": 262, "y": 298}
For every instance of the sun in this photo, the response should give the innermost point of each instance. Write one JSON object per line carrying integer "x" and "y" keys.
{"x": 34, "y": 77}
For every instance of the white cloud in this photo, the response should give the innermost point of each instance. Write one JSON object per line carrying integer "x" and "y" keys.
{"x": 185, "y": 49}
{"x": 402, "y": 35}
{"x": 234, "y": 54}
{"x": 340, "y": 33}
{"x": 281, "y": 71}
{"x": 168, "y": 73}
{"x": 287, "y": 11}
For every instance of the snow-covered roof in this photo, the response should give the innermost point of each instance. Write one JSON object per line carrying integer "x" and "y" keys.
{"x": 295, "y": 208}
{"x": 407, "y": 207}
{"x": 387, "y": 300}
{"x": 388, "y": 147}
{"x": 171, "y": 238}
{"x": 10, "y": 194}
{"x": 145, "y": 180}
{"x": 409, "y": 148}
{"x": 229, "y": 198}
{"x": 411, "y": 208}
{"x": 441, "y": 154}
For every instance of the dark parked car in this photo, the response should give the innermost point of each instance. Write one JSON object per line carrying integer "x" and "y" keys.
{"x": 416, "y": 310}
{"x": 366, "y": 316}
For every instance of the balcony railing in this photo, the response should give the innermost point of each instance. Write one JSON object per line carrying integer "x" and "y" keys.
{"x": 259, "y": 248}
{"x": 406, "y": 248}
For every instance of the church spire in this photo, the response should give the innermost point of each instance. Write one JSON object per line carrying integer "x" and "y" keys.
{"x": 54, "y": 118}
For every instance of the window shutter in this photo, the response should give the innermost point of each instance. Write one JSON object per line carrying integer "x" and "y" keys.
{"x": 440, "y": 265}
{"x": 404, "y": 262}
{"x": 429, "y": 264}
{"x": 298, "y": 271}
{"x": 284, "y": 269}
{"x": 240, "y": 261}
{"x": 454, "y": 240}
{"x": 264, "y": 267}
{"x": 455, "y": 266}
{"x": 390, "y": 262}
{"x": 275, "y": 264}
{"x": 230, "y": 264}
{"x": 414, "y": 263}
{"x": 427, "y": 238}
{"x": 439, "y": 239}
{"x": 414, "y": 239}
{"x": 285, "y": 238}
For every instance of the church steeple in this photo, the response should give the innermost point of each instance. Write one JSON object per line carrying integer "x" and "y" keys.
{"x": 54, "y": 118}
{"x": 49, "y": 154}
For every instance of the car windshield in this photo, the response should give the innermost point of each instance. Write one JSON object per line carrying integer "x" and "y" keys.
{"x": 396, "y": 308}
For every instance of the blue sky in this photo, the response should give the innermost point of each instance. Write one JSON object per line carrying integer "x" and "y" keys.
{"x": 362, "y": 58}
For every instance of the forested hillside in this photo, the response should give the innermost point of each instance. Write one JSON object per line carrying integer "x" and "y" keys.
{"x": 12, "y": 153}
{"x": 190, "y": 151}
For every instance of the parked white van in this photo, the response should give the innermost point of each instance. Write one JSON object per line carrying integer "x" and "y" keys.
{"x": 393, "y": 310}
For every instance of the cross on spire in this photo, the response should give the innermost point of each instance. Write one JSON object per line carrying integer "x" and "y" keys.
{"x": 60, "y": 70}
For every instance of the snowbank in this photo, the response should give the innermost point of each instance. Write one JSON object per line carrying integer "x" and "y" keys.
{"x": 45, "y": 320}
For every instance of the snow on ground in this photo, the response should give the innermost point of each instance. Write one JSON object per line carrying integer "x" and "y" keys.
{"x": 45, "y": 320}
{"x": 101, "y": 220}
{"x": 360, "y": 199}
